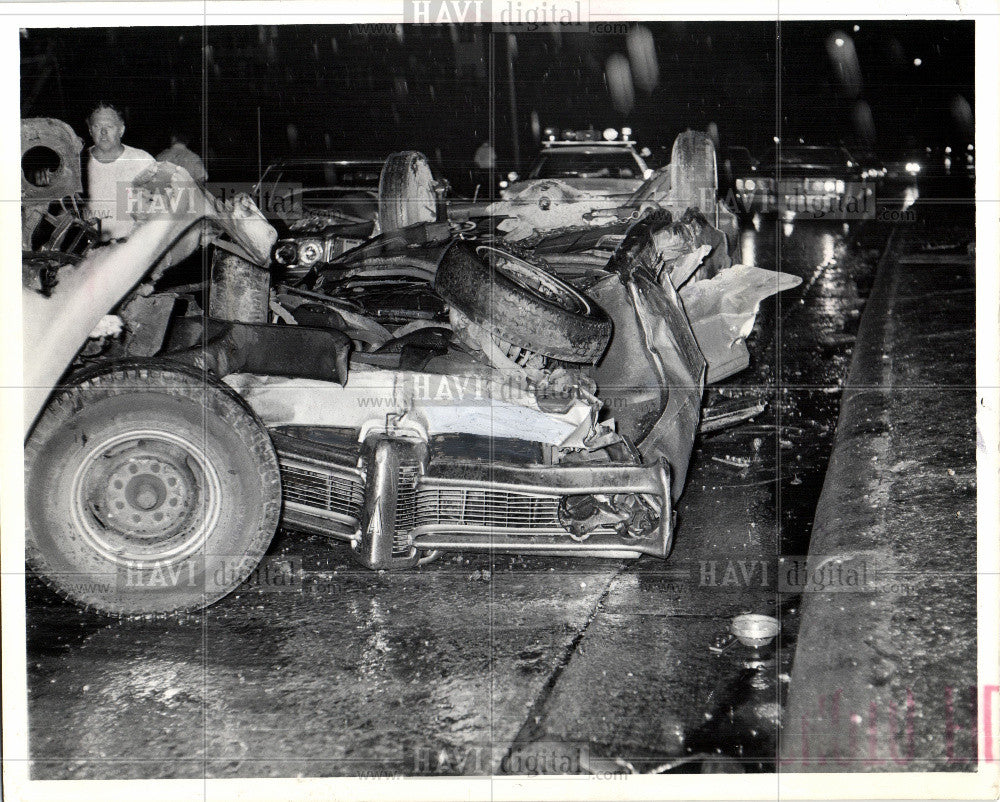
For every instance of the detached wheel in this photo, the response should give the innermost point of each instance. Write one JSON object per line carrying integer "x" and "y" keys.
{"x": 406, "y": 191}
{"x": 148, "y": 490}
{"x": 522, "y": 303}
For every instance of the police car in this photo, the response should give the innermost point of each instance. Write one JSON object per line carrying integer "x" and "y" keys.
{"x": 600, "y": 163}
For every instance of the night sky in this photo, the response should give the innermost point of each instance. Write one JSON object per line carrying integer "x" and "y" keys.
{"x": 339, "y": 90}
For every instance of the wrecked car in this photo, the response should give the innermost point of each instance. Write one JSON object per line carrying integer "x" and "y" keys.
{"x": 435, "y": 389}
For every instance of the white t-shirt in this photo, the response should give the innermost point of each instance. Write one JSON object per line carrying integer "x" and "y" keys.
{"x": 106, "y": 182}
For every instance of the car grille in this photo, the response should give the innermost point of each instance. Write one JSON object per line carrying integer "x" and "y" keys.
{"x": 493, "y": 509}
{"x": 318, "y": 488}
{"x": 406, "y": 498}
{"x": 422, "y": 504}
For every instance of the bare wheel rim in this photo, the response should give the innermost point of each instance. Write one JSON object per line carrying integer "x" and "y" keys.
{"x": 536, "y": 280}
{"x": 145, "y": 498}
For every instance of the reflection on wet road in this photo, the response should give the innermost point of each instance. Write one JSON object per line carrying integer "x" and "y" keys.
{"x": 480, "y": 664}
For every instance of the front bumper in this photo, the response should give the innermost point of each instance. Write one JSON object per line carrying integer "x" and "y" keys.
{"x": 395, "y": 500}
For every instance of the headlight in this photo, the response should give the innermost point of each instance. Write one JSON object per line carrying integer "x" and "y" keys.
{"x": 285, "y": 253}
{"x": 912, "y": 167}
{"x": 750, "y": 184}
{"x": 840, "y": 187}
{"x": 310, "y": 251}
{"x": 830, "y": 186}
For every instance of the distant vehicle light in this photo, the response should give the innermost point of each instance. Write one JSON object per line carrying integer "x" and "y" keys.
{"x": 838, "y": 42}
{"x": 310, "y": 251}
{"x": 750, "y": 184}
{"x": 739, "y": 183}
{"x": 912, "y": 168}
{"x": 917, "y": 62}
{"x": 829, "y": 186}
{"x": 610, "y": 134}
{"x": 970, "y": 147}
{"x": 626, "y": 132}
{"x": 552, "y": 137}
{"x": 504, "y": 184}
{"x": 512, "y": 176}
{"x": 840, "y": 187}
{"x": 857, "y": 28}
{"x": 948, "y": 149}
{"x": 777, "y": 139}
{"x": 550, "y": 132}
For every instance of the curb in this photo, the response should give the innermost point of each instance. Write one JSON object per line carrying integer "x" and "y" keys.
{"x": 833, "y": 623}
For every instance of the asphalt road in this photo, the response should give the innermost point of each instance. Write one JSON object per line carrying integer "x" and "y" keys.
{"x": 478, "y": 665}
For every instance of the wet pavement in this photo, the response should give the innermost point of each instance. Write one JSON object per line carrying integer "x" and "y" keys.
{"x": 473, "y": 665}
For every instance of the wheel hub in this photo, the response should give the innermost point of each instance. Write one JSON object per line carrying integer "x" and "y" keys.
{"x": 148, "y": 496}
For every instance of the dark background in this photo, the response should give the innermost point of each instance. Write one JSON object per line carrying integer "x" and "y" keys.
{"x": 341, "y": 90}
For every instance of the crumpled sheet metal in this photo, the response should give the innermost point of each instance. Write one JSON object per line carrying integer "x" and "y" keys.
{"x": 424, "y": 403}
{"x": 54, "y": 328}
{"x": 686, "y": 233}
{"x": 722, "y": 311}
{"x": 544, "y": 206}
{"x": 167, "y": 190}
{"x": 651, "y": 377}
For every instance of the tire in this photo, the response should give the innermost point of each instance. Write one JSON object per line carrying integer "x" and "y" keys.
{"x": 406, "y": 191}
{"x": 522, "y": 303}
{"x": 148, "y": 490}
{"x": 694, "y": 180}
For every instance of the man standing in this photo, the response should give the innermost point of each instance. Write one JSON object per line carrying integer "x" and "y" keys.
{"x": 110, "y": 170}
{"x": 180, "y": 154}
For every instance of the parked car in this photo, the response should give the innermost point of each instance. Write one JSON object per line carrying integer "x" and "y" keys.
{"x": 808, "y": 181}
{"x": 522, "y": 404}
